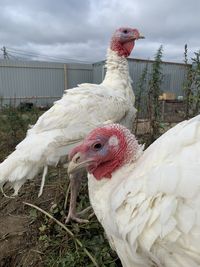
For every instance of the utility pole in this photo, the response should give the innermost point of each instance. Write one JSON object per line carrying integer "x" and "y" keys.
{"x": 5, "y": 54}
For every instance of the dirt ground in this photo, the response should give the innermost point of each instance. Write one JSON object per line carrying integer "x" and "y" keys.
{"x": 19, "y": 229}
{"x": 30, "y": 239}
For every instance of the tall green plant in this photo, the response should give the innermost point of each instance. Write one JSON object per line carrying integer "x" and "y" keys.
{"x": 196, "y": 84}
{"x": 140, "y": 94}
{"x": 192, "y": 85}
{"x": 154, "y": 92}
{"x": 187, "y": 84}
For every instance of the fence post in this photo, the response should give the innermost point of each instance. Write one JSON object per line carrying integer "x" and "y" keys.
{"x": 163, "y": 110}
{"x": 65, "y": 76}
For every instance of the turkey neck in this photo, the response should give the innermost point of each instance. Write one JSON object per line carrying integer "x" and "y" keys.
{"x": 117, "y": 74}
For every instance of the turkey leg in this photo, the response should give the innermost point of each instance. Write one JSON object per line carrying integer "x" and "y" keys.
{"x": 75, "y": 183}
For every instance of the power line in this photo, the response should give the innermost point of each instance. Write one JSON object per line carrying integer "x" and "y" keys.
{"x": 14, "y": 57}
{"x": 34, "y": 54}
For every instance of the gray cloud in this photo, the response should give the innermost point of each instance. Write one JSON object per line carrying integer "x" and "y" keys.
{"x": 81, "y": 29}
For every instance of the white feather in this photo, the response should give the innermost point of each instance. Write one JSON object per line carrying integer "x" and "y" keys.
{"x": 150, "y": 209}
{"x": 68, "y": 121}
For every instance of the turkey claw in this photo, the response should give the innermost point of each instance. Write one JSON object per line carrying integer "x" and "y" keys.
{"x": 83, "y": 212}
{"x": 75, "y": 218}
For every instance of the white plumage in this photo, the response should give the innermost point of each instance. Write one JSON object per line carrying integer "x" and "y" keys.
{"x": 69, "y": 120}
{"x": 150, "y": 208}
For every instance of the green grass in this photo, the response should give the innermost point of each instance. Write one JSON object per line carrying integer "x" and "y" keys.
{"x": 13, "y": 126}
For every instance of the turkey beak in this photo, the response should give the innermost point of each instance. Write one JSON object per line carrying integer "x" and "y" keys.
{"x": 137, "y": 36}
{"x": 141, "y": 36}
{"x": 78, "y": 162}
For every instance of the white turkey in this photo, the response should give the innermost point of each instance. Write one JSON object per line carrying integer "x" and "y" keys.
{"x": 148, "y": 202}
{"x": 68, "y": 121}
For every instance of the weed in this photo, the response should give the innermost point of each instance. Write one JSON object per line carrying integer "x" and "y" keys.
{"x": 154, "y": 91}
{"x": 140, "y": 95}
{"x": 191, "y": 86}
{"x": 13, "y": 127}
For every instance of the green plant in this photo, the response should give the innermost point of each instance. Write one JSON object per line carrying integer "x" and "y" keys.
{"x": 191, "y": 86}
{"x": 187, "y": 84}
{"x": 196, "y": 83}
{"x": 70, "y": 245}
{"x": 140, "y": 94}
{"x": 154, "y": 91}
{"x": 13, "y": 126}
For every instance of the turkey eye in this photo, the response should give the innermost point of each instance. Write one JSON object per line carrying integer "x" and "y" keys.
{"x": 125, "y": 31}
{"x": 97, "y": 146}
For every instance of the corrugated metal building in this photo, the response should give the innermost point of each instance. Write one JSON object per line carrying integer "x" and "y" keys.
{"x": 173, "y": 74}
{"x": 44, "y": 82}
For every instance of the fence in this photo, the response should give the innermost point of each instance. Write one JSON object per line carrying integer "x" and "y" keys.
{"x": 39, "y": 101}
{"x": 39, "y": 82}
{"x": 174, "y": 74}
{"x": 42, "y": 83}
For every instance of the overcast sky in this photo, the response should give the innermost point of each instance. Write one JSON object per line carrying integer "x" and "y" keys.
{"x": 81, "y": 29}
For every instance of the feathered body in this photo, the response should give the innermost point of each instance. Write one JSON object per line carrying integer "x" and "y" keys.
{"x": 68, "y": 121}
{"x": 150, "y": 207}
